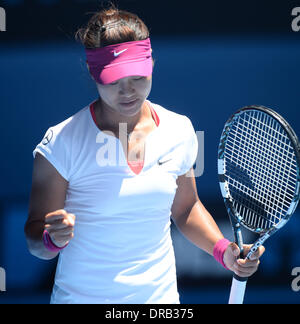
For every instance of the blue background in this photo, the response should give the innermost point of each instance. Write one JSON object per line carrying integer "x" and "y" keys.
{"x": 204, "y": 76}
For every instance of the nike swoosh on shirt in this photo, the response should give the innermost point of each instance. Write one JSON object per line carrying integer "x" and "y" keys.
{"x": 163, "y": 162}
{"x": 118, "y": 53}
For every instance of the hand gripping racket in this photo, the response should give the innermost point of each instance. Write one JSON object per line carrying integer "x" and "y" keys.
{"x": 258, "y": 166}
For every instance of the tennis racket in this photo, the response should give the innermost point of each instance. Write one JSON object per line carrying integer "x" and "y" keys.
{"x": 258, "y": 167}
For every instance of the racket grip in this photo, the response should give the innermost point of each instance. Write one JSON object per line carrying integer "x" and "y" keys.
{"x": 237, "y": 291}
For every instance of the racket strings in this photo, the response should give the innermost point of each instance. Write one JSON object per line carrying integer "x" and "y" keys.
{"x": 262, "y": 169}
{"x": 265, "y": 145}
{"x": 262, "y": 173}
{"x": 272, "y": 175}
{"x": 260, "y": 183}
{"x": 264, "y": 163}
{"x": 264, "y": 138}
{"x": 273, "y": 141}
{"x": 281, "y": 161}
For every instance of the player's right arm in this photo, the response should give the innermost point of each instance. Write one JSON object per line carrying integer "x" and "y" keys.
{"x": 47, "y": 200}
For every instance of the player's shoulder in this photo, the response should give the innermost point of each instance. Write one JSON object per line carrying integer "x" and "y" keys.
{"x": 171, "y": 118}
{"x": 69, "y": 125}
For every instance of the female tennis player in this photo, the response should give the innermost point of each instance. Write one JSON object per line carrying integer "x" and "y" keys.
{"x": 108, "y": 180}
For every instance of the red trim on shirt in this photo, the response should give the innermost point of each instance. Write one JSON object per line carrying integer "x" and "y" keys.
{"x": 92, "y": 110}
{"x": 136, "y": 166}
{"x": 154, "y": 115}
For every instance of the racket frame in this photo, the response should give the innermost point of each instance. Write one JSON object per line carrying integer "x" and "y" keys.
{"x": 239, "y": 283}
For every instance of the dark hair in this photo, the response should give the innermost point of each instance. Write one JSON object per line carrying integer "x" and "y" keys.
{"x": 112, "y": 26}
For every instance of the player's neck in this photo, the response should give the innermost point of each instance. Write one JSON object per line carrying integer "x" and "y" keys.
{"x": 109, "y": 119}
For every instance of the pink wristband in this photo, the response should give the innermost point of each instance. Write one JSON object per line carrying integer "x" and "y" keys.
{"x": 49, "y": 244}
{"x": 219, "y": 250}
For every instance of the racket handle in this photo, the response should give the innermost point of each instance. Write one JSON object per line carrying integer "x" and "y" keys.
{"x": 237, "y": 291}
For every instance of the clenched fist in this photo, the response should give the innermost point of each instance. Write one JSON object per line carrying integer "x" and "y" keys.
{"x": 60, "y": 226}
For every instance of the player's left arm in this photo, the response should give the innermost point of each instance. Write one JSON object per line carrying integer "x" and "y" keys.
{"x": 191, "y": 217}
{"x": 197, "y": 225}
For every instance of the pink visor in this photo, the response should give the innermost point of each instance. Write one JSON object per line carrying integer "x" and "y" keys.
{"x": 111, "y": 63}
